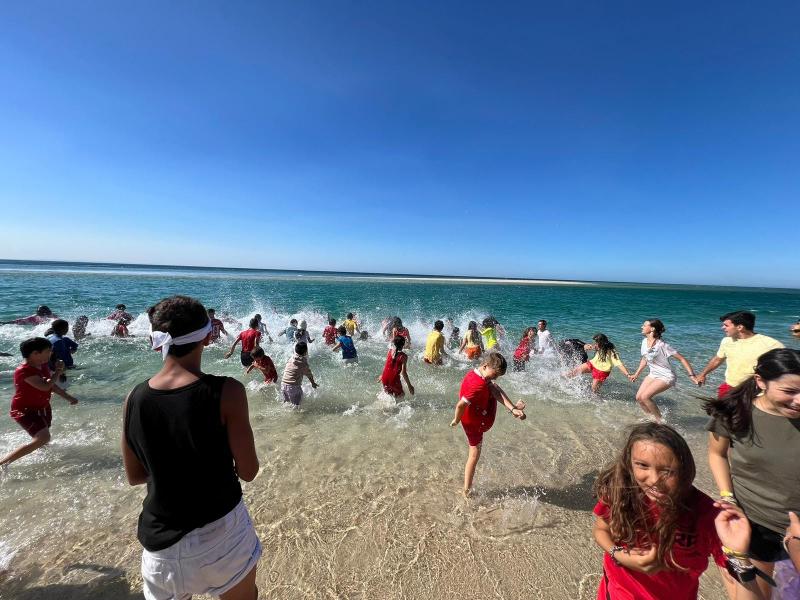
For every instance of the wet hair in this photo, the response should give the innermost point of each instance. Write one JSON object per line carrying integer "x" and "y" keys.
{"x": 472, "y": 332}
{"x": 253, "y": 323}
{"x": 342, "y": 330}
{"x": 741, "y": 317}
{"x": 301, "y": 348}
{"x": 292, "y": 321}
{"x": 397, "y": 323}
{"x": 658, "y": 327}
{"x": 364, "y": 335}
{"x": 526, "y": 332}
{"x": 59, "y": 327}
{"x": 489, "y": 322}
{"x": 349, "y": 315}
{"x": 398, "y": 342}
{"x": 542, "y": 321}
{"x": 257, "y": 317}
{"x": 120, "y": 307}
{"x": 735, "y": 409}
{"x": 630, "y": 519}
{"x": 34, "y": 344}
{"x": 44, "y": 311}
{"x": 332, "y": 322}
{"x": 496, "y": 361}
{"x": 257, "y": 352}
{"x": 178, "y": 315}
{"x": 456, "y": 331}
{"x": 604, "y": 347}
{"x": 438, "y": 325}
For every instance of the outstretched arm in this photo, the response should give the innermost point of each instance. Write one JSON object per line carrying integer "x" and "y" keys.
{"x": 686, "y": 366}
{"x": 712, "y": 364}
{"x": 235, "y": 342}
{"x": 517, "y": 410}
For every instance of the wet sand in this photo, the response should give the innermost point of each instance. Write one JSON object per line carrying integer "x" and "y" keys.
{"x": 346, "y": 508}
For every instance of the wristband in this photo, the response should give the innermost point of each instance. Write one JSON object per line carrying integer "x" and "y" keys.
{"x": 733, "y": 553}
{"x": 612, "y": 551}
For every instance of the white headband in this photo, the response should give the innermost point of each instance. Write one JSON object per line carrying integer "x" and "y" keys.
{"x": 163, "y": 340}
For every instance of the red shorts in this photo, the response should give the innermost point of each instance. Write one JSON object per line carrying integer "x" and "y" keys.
{"x": 474, "y": 433}
{"x": 723, "y": 389}
{"x": 598, "y": 375}
{"x": 33, "y": 420}
{"x": 473, "y": 353}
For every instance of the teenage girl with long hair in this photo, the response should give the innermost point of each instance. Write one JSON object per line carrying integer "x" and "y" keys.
{"x": 658, "y": 530}
{"x": 753, "y": 450}
{"x": 601, "y": 364}
{"x": 656, "y": 354}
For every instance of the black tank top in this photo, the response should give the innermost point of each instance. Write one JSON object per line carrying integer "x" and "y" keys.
{"x": 179, "y": 438}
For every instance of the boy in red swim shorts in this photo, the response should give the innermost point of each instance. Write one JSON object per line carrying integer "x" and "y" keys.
{"x": 30, "y": 406}
{"x": 477, "y": 407}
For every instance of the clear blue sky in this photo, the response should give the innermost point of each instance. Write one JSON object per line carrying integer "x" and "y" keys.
{"x": 575, "y": 140}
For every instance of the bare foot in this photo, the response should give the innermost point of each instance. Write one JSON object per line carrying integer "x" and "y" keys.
{"x": 467, "y": 492}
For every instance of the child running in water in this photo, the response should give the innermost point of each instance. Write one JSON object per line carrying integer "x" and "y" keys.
{"x": 658, "y": 530}
{"x": 263, "y": 363}
{"x": 121, "y": 329}
{"x": 290, "y": 331}
{"x": 489, "y": 332}
{"x": 477, "y": 406}
{"x": 293, "y": 373}
{"x": 395, "y": 367}
{"x": 472, "y": 344}
{"x": 217, "y": 326}
{"x": 350, "y": 324}
{"x": 523, "y": 352}
{"x": 329, "y": 333}
{"x": 601, "y": 364}
{"x": 33, "y": 384}
{"x": 249, "y": 339}
{"x": 302, "y": 335}
{"x": 345, "y": 343}
{"x": 434, "y": 346}
{"x": 398, "y": 329}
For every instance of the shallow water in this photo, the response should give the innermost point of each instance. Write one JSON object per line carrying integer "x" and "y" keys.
{"x": 359, "y": 495}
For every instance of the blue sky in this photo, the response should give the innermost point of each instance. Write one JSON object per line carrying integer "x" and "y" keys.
{"x": 594, "y": 140}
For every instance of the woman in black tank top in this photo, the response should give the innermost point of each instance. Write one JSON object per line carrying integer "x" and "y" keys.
{"x": 187, "y": 435}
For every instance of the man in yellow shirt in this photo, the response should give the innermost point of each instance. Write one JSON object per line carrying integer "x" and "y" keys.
{"x": 434, "y": 346}
{"x": 740, "y": 348}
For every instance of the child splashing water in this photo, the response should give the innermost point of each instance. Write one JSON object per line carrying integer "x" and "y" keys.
{"x": 395, "y": 367}
{"x": 601, "y": 364}
{"x": 477, "y": 407}
{"x": 658, "y": 530}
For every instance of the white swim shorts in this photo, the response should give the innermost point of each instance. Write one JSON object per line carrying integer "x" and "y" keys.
{"x": 209, "y": 560}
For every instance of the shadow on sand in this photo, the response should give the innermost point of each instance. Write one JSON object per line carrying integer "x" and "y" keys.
{"x": 577, "y": 496}
{"x": 107, "y": 583}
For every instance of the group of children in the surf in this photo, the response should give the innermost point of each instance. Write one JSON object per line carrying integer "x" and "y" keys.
{"x": 656, "y": 528}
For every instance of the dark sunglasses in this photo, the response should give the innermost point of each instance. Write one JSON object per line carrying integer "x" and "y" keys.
{"x": 795, "y": 330}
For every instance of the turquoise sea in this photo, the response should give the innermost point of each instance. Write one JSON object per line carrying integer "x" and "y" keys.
{"x": 359, "y": 488}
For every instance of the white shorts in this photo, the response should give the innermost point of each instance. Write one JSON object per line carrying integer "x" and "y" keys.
{"x": 292, "y": 392}
{"x": 669, "y": 379}
{"x": 208, "y": 560}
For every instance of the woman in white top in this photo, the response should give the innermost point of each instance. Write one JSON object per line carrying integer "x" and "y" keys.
{"x": 656, "y": 354}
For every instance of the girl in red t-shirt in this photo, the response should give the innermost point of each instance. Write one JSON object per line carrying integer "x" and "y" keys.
{"x": 658, "y": 530}
{"x": 395, "y": 366}
{"x": 523, "y": 352}
{"x": 477, "y": 407}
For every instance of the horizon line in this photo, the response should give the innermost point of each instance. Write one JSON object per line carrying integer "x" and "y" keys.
{"x": 422, "y": 276}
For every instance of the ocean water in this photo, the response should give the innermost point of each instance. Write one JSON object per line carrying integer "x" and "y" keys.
{"x": 359, "y": 494}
